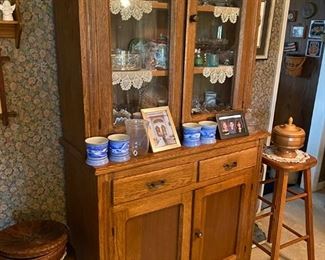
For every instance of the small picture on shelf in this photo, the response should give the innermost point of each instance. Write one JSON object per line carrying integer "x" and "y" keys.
{"x": 162, "y": 132}
{"x": 231, "y": 125}
{"x": 314, "y": 48}
{"x": 297, "y": 31}
{"x": 316, "y": 29}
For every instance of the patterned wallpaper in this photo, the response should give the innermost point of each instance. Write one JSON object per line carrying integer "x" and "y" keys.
{"x": 265, "y": 72}
{"x": 31, "y": 160}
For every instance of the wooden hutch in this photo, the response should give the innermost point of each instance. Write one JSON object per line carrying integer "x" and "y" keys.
{"x": 205, "y": 206}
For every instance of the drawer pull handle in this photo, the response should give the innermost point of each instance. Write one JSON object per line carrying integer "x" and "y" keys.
{"x": 156, "y": 184}
{"x": 230, "y": 166}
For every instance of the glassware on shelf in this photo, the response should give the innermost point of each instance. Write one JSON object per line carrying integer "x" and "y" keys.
{"x": 198, "y": 60}
{"x": 124, "y": 60}
{"x": 156, "y": 54}
{"x": 210, "y": 99}
{"x": 226, "y": 57}
{"x": 212, "y": 60}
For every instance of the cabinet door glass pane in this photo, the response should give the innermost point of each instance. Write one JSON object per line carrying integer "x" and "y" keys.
{"x": 140, "y": 56}
{"x": 154, "y": 235}
{"x": 216, "y": 44}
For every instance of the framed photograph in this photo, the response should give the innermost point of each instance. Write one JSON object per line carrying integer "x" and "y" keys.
{"x": 162, "y": 132}
{"x": 231, "y": 125}
{"x": 297, "y": 31}
{"x": 264, "y": 29}
{"x": 316, "y": 29}
{"x": 314, "y": 48}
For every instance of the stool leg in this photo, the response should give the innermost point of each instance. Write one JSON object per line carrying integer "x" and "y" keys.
{"x": 309, "y": 215}
{"x": 269, "y": 233}
{"x": 280, "y": 201}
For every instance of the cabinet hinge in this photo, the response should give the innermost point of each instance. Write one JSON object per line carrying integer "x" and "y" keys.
{"x": 99, "y": 123}
{"x": 245, "y": 249}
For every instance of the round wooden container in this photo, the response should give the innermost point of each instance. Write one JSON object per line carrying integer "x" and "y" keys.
{"x": 36, "y": 240}
{"x": 288, "y": 138}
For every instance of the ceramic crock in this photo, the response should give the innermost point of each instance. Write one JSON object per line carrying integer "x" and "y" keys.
{"x": 191, "y": 134}
{"x": 288, "y": 138}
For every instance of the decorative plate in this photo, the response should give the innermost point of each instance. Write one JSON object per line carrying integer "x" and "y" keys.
{"x": 309, "y": 9}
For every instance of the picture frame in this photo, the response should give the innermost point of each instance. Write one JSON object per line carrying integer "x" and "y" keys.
{"x": 231, "y": 124}
{"x": 264, "y": 29}
{"x": 314, "y": 48}
{"x": 161, "y": 131}
{"x": 316, "y": 29}
{"x": 297, "y": 31}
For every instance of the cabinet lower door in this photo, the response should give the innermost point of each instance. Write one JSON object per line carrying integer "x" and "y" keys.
{"x": 155, "y": 228}
{"x": 221, "y": 220}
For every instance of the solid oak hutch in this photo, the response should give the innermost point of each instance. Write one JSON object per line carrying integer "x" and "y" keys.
{"x": 116, "y": 57}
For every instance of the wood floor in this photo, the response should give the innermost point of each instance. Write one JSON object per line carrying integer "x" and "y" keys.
{"x": 294, "y": 217}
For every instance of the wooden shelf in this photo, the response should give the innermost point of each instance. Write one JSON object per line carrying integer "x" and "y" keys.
{"x": 155, "y": 73}
{"x": 159, "y": 5}
{"x": 199, "y": 70}
{"x": 205, "y": 8}
{"x": 12, "y": 29}
{"x": 160, "y": 73}
{"x": 210, "y": 8}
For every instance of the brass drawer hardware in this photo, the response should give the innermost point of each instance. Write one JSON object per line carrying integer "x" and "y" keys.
{"x": 156, "y": 184}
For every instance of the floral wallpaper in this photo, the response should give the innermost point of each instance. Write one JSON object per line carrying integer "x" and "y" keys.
{"x": 265, "y": 72}
{"x": 31, "y": 159}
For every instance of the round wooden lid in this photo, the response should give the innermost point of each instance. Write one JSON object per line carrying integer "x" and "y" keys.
{"x": 32, "y": 239}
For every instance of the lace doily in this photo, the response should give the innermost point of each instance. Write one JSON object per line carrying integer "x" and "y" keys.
{"x": 226, "y": 13}
{"x": 218, "y": 74}
{"x": 301, "y": 157}
{"x": 128, "y": 79}
{"x": 130, "y": 8}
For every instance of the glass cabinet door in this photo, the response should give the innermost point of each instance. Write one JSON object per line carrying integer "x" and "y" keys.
{"x": 213, "y": 33}
{"x": 141, "y": 56}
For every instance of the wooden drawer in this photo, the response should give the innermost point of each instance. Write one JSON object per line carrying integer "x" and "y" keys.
{"x": 219, "y": 166}
{"x": 151, "y": 183}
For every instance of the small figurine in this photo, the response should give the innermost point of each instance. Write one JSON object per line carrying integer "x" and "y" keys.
{"x": 7, "y": 10}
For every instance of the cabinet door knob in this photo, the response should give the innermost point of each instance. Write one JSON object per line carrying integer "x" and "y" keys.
{"x": 230, "y": 166}
{"x": 194, "y": 18}
{"x": 199, "y": 234}
{"x": 156, "y": 184}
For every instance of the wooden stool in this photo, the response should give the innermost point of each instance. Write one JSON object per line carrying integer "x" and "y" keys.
{"x": 36, "y": 240}
{"x": 278, "y": 205}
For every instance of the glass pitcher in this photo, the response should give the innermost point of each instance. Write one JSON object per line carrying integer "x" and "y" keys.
{"x": 137, "y": 129}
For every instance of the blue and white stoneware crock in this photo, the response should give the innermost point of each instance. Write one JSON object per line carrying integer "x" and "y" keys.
{"x": 208, "y": 132}
{"x": 96, "y": 151}
{"x": 119, "y": 147}
{"x": 191, "y": 134}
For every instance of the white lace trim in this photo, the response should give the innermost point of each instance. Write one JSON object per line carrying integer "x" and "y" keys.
{"x": 301, "y": 157}
{"x": 127, "y": 79}
{"x": 131, "y": 8}
{"x": 218, "y": 74}
{"x": 227, "y": 13}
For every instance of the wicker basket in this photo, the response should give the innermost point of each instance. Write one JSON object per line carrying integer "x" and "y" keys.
{"x": 37, "y": 240}
{"x": 294, "y": 65}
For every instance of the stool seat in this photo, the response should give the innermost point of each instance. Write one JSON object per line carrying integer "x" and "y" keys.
{"x": 33, "y": 239}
